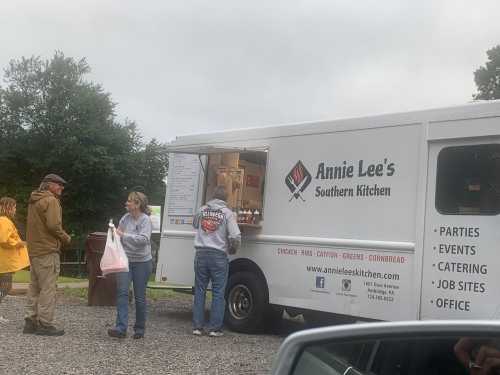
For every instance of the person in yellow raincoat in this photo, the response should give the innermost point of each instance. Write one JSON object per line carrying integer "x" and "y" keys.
{"x": 13, "y": 251}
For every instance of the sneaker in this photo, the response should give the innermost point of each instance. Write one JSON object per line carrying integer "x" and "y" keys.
{"x": 138, "y": 336}
{"x": 44, "y": 330}
{"x": 4, "y": 320}
{"x": 30, "y": 326}
{"x": 113, "y": 332}
{"x": 216, "y": 333}
{"x": 197, "y": 332}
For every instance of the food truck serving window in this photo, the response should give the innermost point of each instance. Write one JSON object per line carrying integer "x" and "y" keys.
{"x": 243, "y": 175}
{"x": 468, "y": 180}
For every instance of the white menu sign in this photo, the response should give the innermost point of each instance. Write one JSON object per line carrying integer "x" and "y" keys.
{"x": 183, "y": 179}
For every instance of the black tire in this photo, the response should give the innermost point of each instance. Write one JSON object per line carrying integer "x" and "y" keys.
{"x": 246, "y": 302}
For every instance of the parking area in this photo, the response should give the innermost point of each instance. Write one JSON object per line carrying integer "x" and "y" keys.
{"x": 168, "y": 348}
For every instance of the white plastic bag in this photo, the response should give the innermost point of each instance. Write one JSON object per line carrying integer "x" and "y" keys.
{"x": 114, "y": 258}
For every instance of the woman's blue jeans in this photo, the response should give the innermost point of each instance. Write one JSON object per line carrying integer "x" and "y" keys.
{"x": 210, "y": 265}
{"x": 139, "y": 275}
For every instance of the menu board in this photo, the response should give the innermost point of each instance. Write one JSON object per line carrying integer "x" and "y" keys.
{"x": 183, "y": 178}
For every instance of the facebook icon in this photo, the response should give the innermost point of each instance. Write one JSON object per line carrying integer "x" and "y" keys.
{"x": 320, "y": 282}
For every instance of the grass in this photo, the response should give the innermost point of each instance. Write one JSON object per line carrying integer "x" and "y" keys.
{"x": 76, "y": 292}
{"x": 157, "y": 294}
{"x": 151, "y": 294}
{"x": 24, "y": 277}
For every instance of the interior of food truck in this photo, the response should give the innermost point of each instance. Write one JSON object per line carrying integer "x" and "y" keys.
{"x": 243, "y": 175}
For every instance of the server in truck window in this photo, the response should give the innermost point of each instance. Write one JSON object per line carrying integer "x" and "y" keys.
{"x": 217, "y": 236}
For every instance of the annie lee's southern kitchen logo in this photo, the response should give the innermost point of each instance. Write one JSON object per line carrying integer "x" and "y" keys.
{"x": 299, "y": 178}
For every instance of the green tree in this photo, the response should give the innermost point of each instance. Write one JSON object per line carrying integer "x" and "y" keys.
{"x": 52, "y": 120}
{"x": 487, "y": 77}
{"x": 151, "y": 163}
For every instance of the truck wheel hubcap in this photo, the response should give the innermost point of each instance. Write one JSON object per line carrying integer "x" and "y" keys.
{"x": 240, "y": 302}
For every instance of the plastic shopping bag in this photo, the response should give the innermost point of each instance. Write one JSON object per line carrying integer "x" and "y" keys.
{"x": 114, "y": 258}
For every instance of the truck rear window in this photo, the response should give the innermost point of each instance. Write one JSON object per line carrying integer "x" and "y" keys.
{"x": 468, "y": 180}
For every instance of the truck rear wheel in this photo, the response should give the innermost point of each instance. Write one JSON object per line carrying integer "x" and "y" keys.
{"x": 246, "y": 302}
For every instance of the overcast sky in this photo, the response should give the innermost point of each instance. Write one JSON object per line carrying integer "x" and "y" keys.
{"x": 184, "y": 67}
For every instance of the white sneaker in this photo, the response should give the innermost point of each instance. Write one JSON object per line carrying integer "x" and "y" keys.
{"x": 197, "y": 332}
{"x": 216, "y": 333}
{"x": 4, "y": 320}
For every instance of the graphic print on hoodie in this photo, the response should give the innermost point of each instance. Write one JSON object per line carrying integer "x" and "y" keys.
{"x": 215, "y": 224}
{"x": 211, "y": 219}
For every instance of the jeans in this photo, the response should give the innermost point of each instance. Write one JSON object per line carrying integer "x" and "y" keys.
{"x": 210, "y": 265}
{"x": 139, "y": 275}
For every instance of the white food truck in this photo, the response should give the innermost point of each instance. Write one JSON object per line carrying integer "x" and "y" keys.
{"x": 392, "y": 217}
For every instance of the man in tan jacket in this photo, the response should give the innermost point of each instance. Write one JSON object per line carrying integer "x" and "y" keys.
{"x": 45, "y": 236}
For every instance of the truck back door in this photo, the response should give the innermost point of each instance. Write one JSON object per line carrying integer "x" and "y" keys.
{"x": 462, "y": 229}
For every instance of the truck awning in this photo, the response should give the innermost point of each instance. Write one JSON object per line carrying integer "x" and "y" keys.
{"x": 208, "y": 149}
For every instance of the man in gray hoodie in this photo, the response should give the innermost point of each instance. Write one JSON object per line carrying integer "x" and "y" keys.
{"x": 217, "y": 236}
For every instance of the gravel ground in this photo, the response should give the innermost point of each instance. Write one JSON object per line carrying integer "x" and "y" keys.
{"x": 168, "y": 348}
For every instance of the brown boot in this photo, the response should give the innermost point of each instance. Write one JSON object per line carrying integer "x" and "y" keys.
{"x": 30, "y": 326}
{"x": 45, "y": 330}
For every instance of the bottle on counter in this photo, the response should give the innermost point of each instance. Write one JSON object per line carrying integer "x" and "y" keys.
{"x": 241, "y": 215}
{"x": 256, "y": 216}
{"x": 248, "y": 216}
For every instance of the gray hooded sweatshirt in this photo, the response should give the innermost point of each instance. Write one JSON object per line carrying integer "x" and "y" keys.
{"x": 217, "y": 227}
{"x": 137, "y": 238}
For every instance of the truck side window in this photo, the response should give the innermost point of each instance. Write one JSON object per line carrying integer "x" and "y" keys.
{"x": 468, "y": 180}
{"x": 243, "y": 174}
